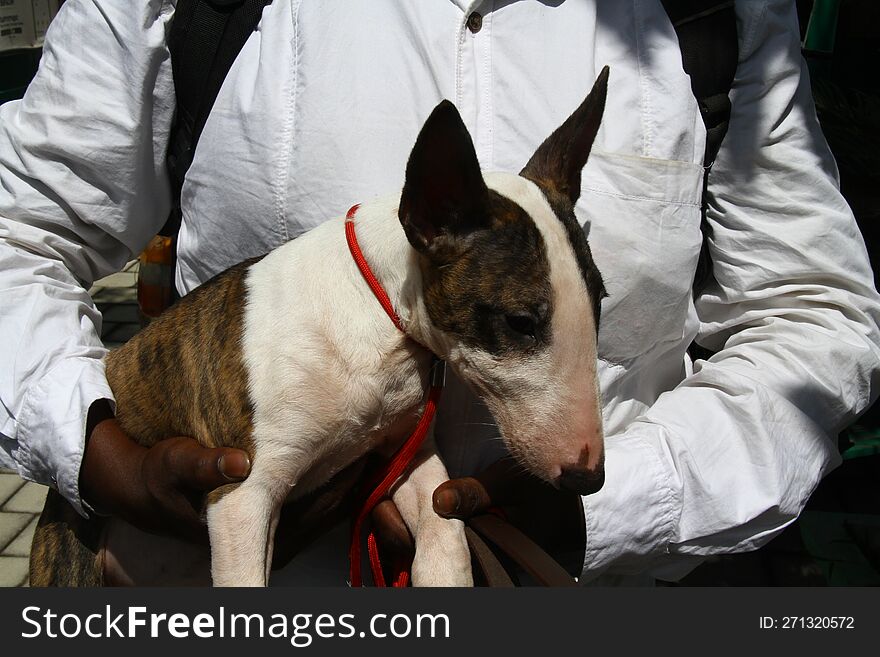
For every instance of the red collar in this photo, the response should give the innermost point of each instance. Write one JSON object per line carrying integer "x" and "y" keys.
{"x": 366, "y": 272}
{"x": 402, "y": 458}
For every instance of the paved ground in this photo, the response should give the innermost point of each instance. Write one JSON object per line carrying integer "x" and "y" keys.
{"x": 20, "y": 501}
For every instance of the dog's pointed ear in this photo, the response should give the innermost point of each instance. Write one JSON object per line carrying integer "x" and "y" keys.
{"x": 558, "y": 161}
{"x": 444, "y": 197}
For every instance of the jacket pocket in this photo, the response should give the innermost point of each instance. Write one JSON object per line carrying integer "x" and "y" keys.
{"x": 642, "y": 218}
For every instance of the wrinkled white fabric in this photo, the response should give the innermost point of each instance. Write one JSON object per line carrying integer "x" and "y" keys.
{"x": 320, "y": 111}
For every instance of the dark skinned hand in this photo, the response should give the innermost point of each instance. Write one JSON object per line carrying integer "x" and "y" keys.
{"x": 158, "y": 489}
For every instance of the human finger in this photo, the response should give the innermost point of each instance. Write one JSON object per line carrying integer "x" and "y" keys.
{"x": 200, "y": 468}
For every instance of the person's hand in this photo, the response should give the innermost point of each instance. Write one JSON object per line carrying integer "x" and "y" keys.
{"x": 552, "y": 518}
{"x": 159, "y": 489}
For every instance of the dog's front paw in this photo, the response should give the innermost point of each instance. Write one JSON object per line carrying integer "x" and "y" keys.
{"x": 442, "y": 555}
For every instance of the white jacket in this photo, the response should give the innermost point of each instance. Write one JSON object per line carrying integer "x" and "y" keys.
{"x": 320, "y": 111}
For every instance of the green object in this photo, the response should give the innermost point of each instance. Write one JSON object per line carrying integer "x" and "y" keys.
{"x": 863, "y": 441}
{"x": 822, "y": 28}
{"x": 17, "y": 69}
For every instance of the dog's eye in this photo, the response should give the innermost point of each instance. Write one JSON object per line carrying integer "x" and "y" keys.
{"x": 522, "y": 324}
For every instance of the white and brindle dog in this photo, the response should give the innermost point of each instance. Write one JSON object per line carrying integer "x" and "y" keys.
{"x": 292, "y": 359}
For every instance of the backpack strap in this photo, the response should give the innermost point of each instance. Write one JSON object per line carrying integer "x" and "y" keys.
{"x": 205, "y": 38}
{"x": 517, "y": 547}
{"x": 707, "y": 37}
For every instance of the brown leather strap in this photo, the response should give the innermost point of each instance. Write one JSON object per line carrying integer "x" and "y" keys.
{"x": 523, "y": 550}
{"x": 493, "y": 571}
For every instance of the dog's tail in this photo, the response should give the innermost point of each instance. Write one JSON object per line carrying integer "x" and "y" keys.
{"x": 66, "y": 546}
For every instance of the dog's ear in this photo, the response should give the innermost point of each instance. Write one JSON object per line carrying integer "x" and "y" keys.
{"x": 557, "y": 163}
{"x": 444, "y": 198}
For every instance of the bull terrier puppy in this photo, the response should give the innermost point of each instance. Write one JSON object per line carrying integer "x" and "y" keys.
{"x": 291, "y": 358}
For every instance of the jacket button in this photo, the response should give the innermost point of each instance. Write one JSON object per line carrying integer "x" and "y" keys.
{"x": 475, "y": 22}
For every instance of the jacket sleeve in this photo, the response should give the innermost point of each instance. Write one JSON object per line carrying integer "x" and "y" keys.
{"x": 726, "y": 460}
{"x": 82, "y": 188}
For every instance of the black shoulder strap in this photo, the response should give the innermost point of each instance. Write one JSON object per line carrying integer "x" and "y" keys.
{"x": 206, "y": 37}
{"x": 707, "y": 37}
{"x": 706, "y": 31}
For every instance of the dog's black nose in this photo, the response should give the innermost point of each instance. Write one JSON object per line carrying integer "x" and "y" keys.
{"x": 580, "y": 480}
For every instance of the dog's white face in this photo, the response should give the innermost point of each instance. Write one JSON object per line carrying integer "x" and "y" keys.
{"x": 511, "y": 289}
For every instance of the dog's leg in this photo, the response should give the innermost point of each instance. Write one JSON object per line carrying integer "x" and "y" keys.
{"x": 242, "y": 529}
{"x": 442, "y": 557}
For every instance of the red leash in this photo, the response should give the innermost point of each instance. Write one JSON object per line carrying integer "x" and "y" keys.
{"x": 402, "y": 458}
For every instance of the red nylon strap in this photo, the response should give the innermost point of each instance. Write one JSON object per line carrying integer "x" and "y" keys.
{"x": 398, "y": 464}
{"x": 375, "y": 563}
{"x": 364, "y": 268}
{"x": 404, "y": 455}
{"x": 399, "y": 570}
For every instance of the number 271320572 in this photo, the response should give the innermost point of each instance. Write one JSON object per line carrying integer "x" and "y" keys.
{"x": 807, "y": 623}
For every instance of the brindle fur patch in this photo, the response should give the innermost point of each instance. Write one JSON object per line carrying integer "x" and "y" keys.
{"x": 502, "y": 271}
{"x": 564, "y": 211}
{"x": 184, "y": 375}
{"x": 65, "y": 547}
